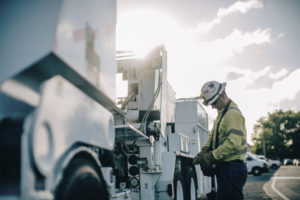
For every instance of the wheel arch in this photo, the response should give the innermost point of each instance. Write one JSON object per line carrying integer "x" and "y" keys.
{"x": 188, "y": 162}
{"x": 74, "y": 153}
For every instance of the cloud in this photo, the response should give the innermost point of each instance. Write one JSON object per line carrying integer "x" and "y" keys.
{"x": 279, "y": 74}
{"x": 280, "y": 35}
{"x": 268, "y": 79}
{"x": 261, "y": 82}
{"x": 204, "y": 27}
{"x": 287, "y": 87}
{"x": 238, "y": 41}
{"x": 235, "y": 43}
{"x": 143, "y": 29}
{"x": 272, "y": 91}
{"x": 291, "y": 103}
{"x": 279, "y": 90}
{"x": 233, "y": 76}
{"x": 237, "y": 7}
{"x": 202, "y": 60}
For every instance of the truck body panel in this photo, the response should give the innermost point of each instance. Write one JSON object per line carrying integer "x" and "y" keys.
{"x": 80, "y": 34}
{"x": 59, "y": 119}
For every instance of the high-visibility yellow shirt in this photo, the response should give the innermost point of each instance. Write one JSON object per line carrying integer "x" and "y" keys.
{"x": 232, "y": 135}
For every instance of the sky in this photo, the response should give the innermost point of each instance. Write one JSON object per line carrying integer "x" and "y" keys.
{"x": 251, "y": 45}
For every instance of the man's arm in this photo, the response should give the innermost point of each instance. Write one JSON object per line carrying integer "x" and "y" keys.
{"x": 235, "y": 137}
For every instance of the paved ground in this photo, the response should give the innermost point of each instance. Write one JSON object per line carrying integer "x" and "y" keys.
{"x": 285, "y": 183}
{"x": 253, "y": 188}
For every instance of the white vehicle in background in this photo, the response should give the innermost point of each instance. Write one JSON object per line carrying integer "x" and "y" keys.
{"x": 287, "y": 161}
{"x": 296, "y": 162}
{"x": 255, "y": 165}
{"x": 273, "y": 164}
{"x": 261, "y": 157}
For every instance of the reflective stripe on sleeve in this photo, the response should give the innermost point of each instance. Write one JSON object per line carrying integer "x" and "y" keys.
{"x": 235, "y": 131}
{"x": 240, "y": 152}
{"x": 243, "y": 142}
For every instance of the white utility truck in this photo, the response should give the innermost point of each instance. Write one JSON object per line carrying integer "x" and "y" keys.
{"x": 62, "y": 136}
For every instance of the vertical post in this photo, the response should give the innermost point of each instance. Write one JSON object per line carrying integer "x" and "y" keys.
{"x": 264, "y": 147}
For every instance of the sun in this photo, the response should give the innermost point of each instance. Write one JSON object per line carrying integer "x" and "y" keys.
{"x": 140, "y": 31}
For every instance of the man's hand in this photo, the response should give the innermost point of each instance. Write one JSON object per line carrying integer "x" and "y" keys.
{"x": 197, "y": 158}
{"x": 205, "y": 149}
{"x": 200, "y": 154}
{"x": 206, "y": 159}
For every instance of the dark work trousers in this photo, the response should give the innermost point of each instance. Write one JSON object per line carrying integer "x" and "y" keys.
{"x": 231, "y": 179}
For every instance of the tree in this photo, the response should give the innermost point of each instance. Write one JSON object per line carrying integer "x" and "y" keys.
{"x": 279, "y": 133}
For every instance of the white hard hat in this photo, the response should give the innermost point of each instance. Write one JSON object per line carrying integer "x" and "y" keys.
{"x": 211, "y": 91}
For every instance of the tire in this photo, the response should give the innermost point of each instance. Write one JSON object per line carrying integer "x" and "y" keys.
{"x": 81, "y": 180}
{"x": 274, "y": 166}
{"x": 190, "y": 181}
{"x": 179, "y": 189}
{"x": 256, "y": 171}
{"x": 212, "y": 195}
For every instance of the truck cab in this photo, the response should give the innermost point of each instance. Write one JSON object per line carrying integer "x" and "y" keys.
{"x": 255, "y": 166}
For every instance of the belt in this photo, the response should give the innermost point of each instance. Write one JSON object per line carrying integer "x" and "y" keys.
{"x": 231, "y": 161}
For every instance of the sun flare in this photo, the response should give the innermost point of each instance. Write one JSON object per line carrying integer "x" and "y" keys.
{"x": 140, "y": 31}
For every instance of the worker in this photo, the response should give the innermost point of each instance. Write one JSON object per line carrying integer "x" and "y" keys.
{"x": 227, "y": 150}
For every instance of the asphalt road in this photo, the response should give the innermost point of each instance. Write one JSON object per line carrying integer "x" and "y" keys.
{"x": 280, "y": 184}
{"x": 253, "y": 188}
{"x": 284, "y": 184}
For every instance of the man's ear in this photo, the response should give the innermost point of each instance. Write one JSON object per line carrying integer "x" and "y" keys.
{"x": 222, "y": 96}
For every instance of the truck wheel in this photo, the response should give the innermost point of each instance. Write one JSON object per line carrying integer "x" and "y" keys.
{"x": 212, "y": 195}
{"x": 179, "y": 189}
{"x": 81, "y": 180}
{"x": 190, "y": 181}
{"x": 256, "y": 171}
{"x": 274, "y": 166}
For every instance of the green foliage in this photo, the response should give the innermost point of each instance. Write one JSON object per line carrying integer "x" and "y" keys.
{"x": 280, "y": 133}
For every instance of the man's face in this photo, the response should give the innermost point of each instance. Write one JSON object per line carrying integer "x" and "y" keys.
{"x": 217, "y": 104}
